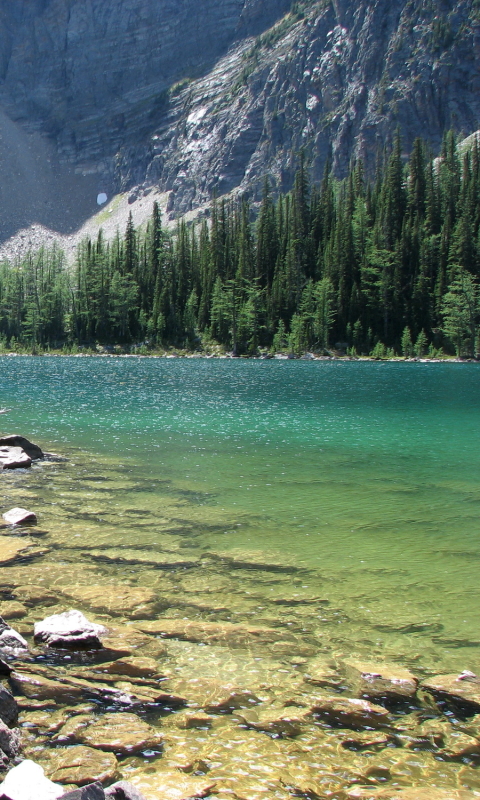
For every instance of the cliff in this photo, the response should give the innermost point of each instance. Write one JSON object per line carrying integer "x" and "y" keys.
{"x": 196, "y": 97}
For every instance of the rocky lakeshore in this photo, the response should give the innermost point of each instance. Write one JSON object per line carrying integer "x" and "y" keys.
{"x": 175, "y": 672}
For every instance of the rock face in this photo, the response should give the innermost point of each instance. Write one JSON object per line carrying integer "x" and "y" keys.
{"x": 182, "y": 96}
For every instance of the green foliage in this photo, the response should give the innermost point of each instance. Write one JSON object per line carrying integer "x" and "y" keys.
{"x": 383, "y": 267}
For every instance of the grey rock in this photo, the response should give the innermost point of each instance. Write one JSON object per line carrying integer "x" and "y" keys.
{"x": 13, "y": 458}
{"x": 14, "y": 440}
{"x": 19, "y": 516}
{"x": 123, "y": 790}
{"x": 10, "y": 740}
{"x": 94, "y": 791}
{"x": 8, "y": 707}
{"x": 70, "y": 629}
{"x": 188, "y": 101}
{"x": 11, "y": 642}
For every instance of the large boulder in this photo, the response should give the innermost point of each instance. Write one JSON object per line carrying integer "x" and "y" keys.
{"x": 27, "y": 781}
{"x": 69, "y": 630}
{"x": 32, "y": 450}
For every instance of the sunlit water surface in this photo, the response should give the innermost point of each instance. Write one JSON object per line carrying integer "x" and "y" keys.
{"x": 365, "y": 474}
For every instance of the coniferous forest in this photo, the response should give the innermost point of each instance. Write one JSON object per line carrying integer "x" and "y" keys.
{"x": 380, "y": 267}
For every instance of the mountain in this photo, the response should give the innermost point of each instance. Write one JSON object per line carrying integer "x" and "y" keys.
{"x": 210, "y": 96}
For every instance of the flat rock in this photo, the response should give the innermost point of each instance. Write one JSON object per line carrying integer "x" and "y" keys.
{"x": 14, "y": 458}
{"x": 372, "y": 679}
{"x": 40, "y": 687}
{"x": 463, "y": 688}
{"x": 347, "y": 712}
{"x": 186, "y": 720}
{"x": 157, "y": 784}
{"x": 417, "y": 793}
{"x": 70, "y": 629}
{"x": 320, "y": 672}
{"x": 226, "y": 633}
{"x": 34, "y": 596}
{"x": 130, "y": 556}
{"x": 127, "y": 641}
{"x": 27, "y": 781}
{"x": 20, "y": 516}
{"x": 274, "y": 721}
{"x": 131, "y": 601}
{"x": 115, "y": 733}
{"x": 11, "y": 609}
{"x": 133, "y": 666}
{"x": 13, "y": 440}
{"x": 216, "y": 697}
{"x": 82, "y": 765}
{"x": 11, "y": 547}
{"x": 269, "y": 561}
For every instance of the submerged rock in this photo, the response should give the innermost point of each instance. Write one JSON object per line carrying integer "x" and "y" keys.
{"x": 11, "y": 547}
{"x": 27, "y": 781}
{"x": 348, "y": 712}
{"x": 463, "y": 688}
{"x": 82, "y": 765}
{"x": 226, "y": 633}
{"x": 275, "y": 721}
{"x": 372, "y": 679}
{"x": 70, "y": 629}
{"x": 157, "y": 784}
{"x": 115, "y": 733}
{"x": 417, "y": 793}
{"x": 131, "y": 601}
{"x": 268, "y": 561}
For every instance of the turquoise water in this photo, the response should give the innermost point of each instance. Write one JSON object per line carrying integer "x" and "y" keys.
{"x": 366, "y": 472}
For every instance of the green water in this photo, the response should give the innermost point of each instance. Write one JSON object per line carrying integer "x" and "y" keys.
{"x": 336, "y": 503}
{"x": 368, "y": 473}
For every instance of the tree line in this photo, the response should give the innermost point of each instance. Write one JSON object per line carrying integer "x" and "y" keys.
{"x": 376, "y": 267}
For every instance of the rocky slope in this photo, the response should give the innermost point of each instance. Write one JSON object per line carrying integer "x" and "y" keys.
{"x": 195, "y": 97}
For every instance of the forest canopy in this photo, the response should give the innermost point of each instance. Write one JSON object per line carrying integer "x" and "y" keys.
{"x": 376, "y": 267}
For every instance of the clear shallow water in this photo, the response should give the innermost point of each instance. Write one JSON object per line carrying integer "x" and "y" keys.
{"x": 365, "y": 475}
{"x": 355, "y": 468}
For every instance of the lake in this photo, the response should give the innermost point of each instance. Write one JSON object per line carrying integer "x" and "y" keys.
{"x": 355, "y": 483}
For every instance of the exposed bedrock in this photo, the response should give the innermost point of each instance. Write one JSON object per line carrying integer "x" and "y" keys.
{"x": 196, "y": 97}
